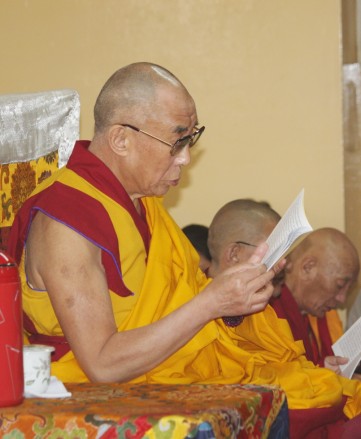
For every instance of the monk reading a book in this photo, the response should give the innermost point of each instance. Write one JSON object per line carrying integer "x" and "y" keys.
{"x": 320, "y": 401}
{"x": 113, "y": 283}
{"x": 318, "y": 277}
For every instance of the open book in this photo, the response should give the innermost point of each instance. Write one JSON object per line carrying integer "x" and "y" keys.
{"x": 349, "y": 346}
{"x": 290, "y": 230}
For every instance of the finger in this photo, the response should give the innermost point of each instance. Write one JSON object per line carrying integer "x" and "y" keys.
{"x": 247, "y": 272}
{"x": 341, "y": 360}
{"x": 335, "y": 360}
{"x": 258, "y": 283}
{"x": 260, "y": 299}
{"x": 277, "y": 268}
{"x": 258, "y": 254}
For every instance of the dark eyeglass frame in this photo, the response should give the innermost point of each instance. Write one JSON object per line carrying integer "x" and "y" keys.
{"x": 245, "y": 243}
{"x": 179, "y": 144}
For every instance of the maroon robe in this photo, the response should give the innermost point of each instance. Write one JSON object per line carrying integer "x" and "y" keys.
{"x": 287, "y": 308}
{"x": 315, "y": 423}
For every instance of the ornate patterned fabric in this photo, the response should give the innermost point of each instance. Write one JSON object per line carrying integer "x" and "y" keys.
{"x": 37, "y": 135}
{"x": 17, "y": 181}
{"x": 34, "y": 124}
{"x": 110, "y": 411}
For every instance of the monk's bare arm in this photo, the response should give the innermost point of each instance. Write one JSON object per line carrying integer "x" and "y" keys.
{"x": 69, "y": 267}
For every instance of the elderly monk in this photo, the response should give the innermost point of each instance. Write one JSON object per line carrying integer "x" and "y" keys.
{"x": 108, "y": 278}
{"x": 320, "y": 401}
{"x": 318, "y": 277}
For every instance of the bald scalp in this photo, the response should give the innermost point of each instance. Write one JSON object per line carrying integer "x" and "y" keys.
{"x": 244, "y": 219}
{"x": 329, "y": 246}
{"x": 129, "y": 89}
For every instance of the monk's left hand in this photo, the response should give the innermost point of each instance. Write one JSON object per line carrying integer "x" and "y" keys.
{"x": 333, "y": 362}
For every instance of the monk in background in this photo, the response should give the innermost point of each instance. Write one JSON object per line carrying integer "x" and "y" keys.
{"x": 318, "y": 277}
{"x": 276, "y": 356}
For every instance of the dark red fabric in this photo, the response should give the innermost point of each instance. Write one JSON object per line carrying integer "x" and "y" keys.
{"x": 85, "y": 215}
{"x": 325, "y": 337}
{"x": 82, "y": 213}
{"x": 318, "y": 423}
{"x": 352, "y": 428}
{"x": 92, "y": 169}
{"x": 313, "y": 341}
{"x": 287, "y": 308}
{"x": 4, "y": 236}
{"x": 323, "y": 423}
{"x": 59, "y": 343}
{"x": 314, "y": 423}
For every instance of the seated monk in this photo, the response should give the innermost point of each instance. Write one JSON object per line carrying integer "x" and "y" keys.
{"x": 113, "y": 283}
{"x": 322, "y": 403}
{"x": 319, "y": 274}
{"x": 108, "y": 278}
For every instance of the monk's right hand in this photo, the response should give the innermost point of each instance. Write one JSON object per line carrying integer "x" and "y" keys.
{"x": 241, "y": 289}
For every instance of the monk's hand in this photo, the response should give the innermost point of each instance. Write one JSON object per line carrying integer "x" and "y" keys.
{"x": 277, "y": 269}
{"x": 333, "y": 362}
{"x": 242, "y": 289}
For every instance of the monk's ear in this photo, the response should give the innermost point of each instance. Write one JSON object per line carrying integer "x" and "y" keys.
{"x": 117, "y": 139}
{"x": 232, "y": 254}
{"x": 308, "y": 267}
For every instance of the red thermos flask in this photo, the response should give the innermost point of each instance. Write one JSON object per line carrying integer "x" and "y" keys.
{"x": 11, "y": 334}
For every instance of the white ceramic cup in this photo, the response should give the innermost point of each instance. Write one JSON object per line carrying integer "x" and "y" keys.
{"x": 36, "y": 368}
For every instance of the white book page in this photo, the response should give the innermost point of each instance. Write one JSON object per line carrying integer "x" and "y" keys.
{"x": 291, "y": 226}
{"x": 349, "y": 346}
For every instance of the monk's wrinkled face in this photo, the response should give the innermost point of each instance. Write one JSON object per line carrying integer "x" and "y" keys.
{"x": 154, "y": 169}
{"x": 328, "y": 288}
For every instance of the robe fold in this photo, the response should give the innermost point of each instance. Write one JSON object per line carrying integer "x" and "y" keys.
{"x": 327, "y": 330}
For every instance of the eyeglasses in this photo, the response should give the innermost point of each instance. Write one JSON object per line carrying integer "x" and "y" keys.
{"x": 179, "y": 144}
{"x": 245, "y": 243}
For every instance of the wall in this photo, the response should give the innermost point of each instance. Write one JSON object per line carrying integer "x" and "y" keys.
{"x": 266, "y": 76}
{"x": 351, "y": 47}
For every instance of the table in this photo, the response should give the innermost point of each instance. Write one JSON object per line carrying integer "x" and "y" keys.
{"x": 151, "y": 411}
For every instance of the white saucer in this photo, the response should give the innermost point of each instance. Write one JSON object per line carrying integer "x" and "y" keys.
{"x": 56, "y": 389}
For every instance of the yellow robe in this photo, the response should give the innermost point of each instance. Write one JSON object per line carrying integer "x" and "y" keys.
{"x": 211, "y": 355}
{"x": 261, "y": 350}
{"x": 334, "y": 325}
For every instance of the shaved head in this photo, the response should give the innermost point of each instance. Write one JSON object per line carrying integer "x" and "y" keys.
{"x": 329, "y": 246}
{"x": 129, "y": 89}
{"x": 242, "y": 219}
{"x": 321, "y": 270}
{"x": 239, "y": 220}
{"x": 141, "y": 113}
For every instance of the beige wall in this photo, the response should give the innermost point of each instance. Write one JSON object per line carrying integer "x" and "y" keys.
{"x": 266, "y": 76}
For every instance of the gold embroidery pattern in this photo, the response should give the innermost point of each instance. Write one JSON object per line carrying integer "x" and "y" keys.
{"x": 17, "y": 181}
